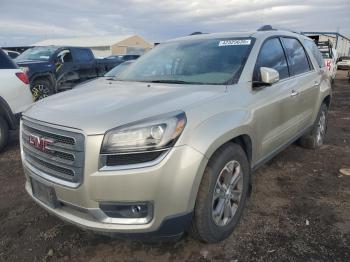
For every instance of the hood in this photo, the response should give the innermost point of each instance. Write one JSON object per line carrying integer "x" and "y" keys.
{"x": 103, "y": 104}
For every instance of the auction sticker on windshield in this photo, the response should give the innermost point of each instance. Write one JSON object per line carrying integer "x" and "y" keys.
{"x": 235, "y": 42}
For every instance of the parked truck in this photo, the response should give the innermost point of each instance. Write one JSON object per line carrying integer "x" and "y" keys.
{"x": 53, "y": 69}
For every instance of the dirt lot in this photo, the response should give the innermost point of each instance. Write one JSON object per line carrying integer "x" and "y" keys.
{"x": 299, "y": 211}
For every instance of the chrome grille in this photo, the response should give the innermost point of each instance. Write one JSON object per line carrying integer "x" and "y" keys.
{"x": 62, "y": 158}
{"x": 57, "y": 138}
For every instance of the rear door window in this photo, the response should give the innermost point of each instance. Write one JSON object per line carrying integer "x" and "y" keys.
{"x": 297, "y": 58}
{"x": 6, "y": 62}
{"x": 315, "y": 52}
{"x": 272, "y": 55}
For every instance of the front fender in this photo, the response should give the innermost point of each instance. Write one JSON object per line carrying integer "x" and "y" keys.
{"x": 212, "y": 133}
{"x": 215, "y": 131}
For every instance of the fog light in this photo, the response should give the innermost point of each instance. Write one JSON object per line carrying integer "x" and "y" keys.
{"x": 127, "y": 210}
{"x": 136, "y": 209}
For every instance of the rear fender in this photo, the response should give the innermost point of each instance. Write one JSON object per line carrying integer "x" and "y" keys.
{"x": 50, "y": 77}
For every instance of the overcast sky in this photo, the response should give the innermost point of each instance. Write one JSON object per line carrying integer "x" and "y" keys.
{"x": 24, "y": 22}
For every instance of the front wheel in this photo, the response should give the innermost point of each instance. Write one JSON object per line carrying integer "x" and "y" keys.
{"x": 41, "y": 88}
{"x": 222, "y": 194}
{"x": 315, "y": 138}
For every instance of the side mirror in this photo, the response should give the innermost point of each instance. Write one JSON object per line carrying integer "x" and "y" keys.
{"x": 269, "y": 75}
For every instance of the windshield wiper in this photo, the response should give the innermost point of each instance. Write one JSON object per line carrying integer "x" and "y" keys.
{"x": 171, "y": 81}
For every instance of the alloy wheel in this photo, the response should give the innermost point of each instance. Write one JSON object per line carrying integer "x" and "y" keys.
{"x": 227, "y": 193}
{"x": 321, "y": 129}
{"x": 40, "y": 91}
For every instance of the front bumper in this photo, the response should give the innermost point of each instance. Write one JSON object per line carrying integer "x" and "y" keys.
{"x": 171, "y": 187}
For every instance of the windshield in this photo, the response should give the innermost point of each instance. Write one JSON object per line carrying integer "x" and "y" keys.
{"x": 118, "y": 69}
{"x": 210, "y": 61}
{"x": 42, "y": 53}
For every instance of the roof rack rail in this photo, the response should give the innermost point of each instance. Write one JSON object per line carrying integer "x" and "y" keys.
{"x": 271, "y": 28}
{"x": 197, "y": 33}
{"x": 266, "y": 28}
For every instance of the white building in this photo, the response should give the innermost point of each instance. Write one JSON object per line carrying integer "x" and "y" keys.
{"x": 103, "y": 46}
{"x": 340, "y": 42}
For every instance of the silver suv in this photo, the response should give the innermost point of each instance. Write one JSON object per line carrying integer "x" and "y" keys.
{"x": 170, "y": 144}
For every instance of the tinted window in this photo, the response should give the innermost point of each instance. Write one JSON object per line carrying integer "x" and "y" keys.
{"x": 6, "y": 62}
{"x": 326, "y": 55}
{"x": 298, "y": 61}
{"x": 315, "y": 51}
{"x": 271, "y": 55}
{"x": 83, "y": 55}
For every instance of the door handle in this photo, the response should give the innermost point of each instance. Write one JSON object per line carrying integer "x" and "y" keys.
{"x": 294, "y": 93}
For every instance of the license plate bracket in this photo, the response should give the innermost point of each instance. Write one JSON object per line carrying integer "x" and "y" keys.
{"x": 44, "y": 193}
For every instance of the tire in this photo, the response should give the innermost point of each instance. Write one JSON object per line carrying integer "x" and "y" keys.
{"x": 206, "y": 226}
{"x": 4, "y": 133}
{"x": 315, "y": 138}
{"x": 41, "y": 88}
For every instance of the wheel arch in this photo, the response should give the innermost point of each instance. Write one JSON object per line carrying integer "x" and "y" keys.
{"x": 245, "y": 142}
{"x": 242, "y": 139}
{"x": 7, "y": 114}
{"x": 327, "y": 101}
{"x": 46, "y": 76}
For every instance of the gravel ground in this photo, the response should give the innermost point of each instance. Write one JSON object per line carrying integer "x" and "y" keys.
{"x": 299, "y": 211}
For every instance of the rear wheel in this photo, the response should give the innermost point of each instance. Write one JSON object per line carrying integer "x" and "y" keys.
{"x": 41, "y": 88}
{"x": 222, "y": 194}
{"x": 4, "y": 133}
{"x": 316, "y": 136}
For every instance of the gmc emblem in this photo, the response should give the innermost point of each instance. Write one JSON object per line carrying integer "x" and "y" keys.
{"x": 39, "y": 142}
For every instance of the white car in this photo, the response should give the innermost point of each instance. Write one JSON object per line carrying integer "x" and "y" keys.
{"x": 15, "y": 96}
{"x": 344, "y": 63}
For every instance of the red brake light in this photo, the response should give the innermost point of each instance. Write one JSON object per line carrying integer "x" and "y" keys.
{"x": 23, "y": 77}
{"x": 328, "y": 64}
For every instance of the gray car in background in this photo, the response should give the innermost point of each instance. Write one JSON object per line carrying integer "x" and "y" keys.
{"x": 170, "y": 145}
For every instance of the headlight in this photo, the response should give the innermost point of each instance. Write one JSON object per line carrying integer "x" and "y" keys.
{"x": 150, "y": 134}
